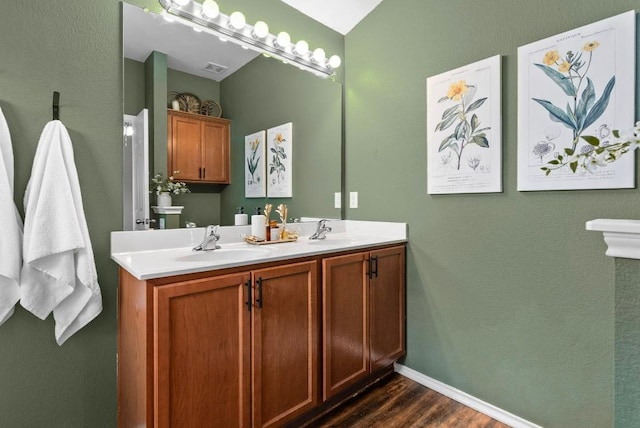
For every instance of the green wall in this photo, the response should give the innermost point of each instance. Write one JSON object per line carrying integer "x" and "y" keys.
{"x": 509, "y": 298}
{"x": 266, "y": 93}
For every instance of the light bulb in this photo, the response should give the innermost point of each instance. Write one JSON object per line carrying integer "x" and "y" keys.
{"x": 283, "y": 39}
{"x": 129, "y": 130}
{"x": 181, "y": 2}
{"x": 237, "y": 20}
{"x": 302, "y": 48}
{"x": 319, "y": 55}
{"x": 335, "y": 61}
{"x": 260, "y": 30}
{"x": 210, "y": 9}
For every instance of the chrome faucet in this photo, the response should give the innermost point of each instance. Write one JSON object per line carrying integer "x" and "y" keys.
{"x": 211, "y": 235}
{"x": 321, "y": 230}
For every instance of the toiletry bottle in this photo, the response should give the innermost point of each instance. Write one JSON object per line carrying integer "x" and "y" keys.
{"x": 274, "y": 231}
{"x": 241, "y": 218}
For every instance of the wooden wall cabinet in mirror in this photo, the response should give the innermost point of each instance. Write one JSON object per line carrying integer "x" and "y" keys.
{"x": 198, "y": 148}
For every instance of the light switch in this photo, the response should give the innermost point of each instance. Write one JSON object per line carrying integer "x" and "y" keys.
{"x": 353, "y": 200}
{"x": 337, "y": 200}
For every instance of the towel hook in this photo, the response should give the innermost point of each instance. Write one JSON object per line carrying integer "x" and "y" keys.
{"x": 56, "y": 105}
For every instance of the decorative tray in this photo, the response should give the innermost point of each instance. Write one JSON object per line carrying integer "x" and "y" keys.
{"x": 280, "y": 241}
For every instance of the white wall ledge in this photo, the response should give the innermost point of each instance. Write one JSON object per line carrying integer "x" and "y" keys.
{"x": 621, "y": 236}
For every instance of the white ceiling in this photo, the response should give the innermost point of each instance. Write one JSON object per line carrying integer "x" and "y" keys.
{"x": 187, "y": 51}
{"x": 339, "y": 15}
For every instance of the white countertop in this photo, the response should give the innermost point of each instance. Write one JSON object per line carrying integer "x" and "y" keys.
{"x": 159, "y": 253}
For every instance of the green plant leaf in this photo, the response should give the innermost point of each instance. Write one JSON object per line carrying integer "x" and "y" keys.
{"x": 601, "y": 105}
{"x": 447, "y": 142}
{"x": 450, "y": 111}
{"x": 616, "y": 133}
{"x": 476, "y": 104}
{"x": 443, "y": 99}
{"x": 474, "y": 122}
{"x": 446, "y": 123}
{"x": 587, "y": 99}
{"x": 573, "y": 166}
{"x": 591, "y": 140}
{"x": 480, "y": 140}
{"x": 565, "y": 84}
{"x": 568, "y": 151}
{"x": 571, "y": 116}
{"x": 556, "y": 114}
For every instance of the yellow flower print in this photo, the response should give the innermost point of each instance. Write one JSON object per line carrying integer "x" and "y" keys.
{"x": 564, "y": 67}
{"x": 279, "y": 138}
{"x": 457, "y": 90}
{"x": 591, "y": 46}
{"x": 551, "y": 57}
{"x": 254, "y": 144}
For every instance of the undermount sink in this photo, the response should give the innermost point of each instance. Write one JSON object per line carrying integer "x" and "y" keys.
{"x": 225, "y": 255}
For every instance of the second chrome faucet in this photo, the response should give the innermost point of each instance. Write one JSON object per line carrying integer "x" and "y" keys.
{"x": 210, "y": 241}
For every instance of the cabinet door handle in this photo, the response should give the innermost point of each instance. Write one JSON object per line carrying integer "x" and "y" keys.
{"x": 369, "y": 268}
{"x": 374, "y": 267}
{"x": 248, "y": 302}
{"x": 199, "y": 172}
{"x": 259, "y": 296}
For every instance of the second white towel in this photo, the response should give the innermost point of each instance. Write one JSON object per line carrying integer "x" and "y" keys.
{"x": 59, "y": 271}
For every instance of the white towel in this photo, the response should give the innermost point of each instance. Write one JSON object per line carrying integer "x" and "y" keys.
{"x": 59, "y": 272}
{"x": 11, "y": 227}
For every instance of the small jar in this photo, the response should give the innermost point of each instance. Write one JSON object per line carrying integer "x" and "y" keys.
{"x": 274, "y": 231}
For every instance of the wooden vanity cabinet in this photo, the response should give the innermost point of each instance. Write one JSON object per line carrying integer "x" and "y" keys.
{"x": 234, "y": 350}
{"x": 198, "y": 148}
{"x": 285, "y": 343}
{"x": 363, "y": 315}
{"x": 201, "y": 352}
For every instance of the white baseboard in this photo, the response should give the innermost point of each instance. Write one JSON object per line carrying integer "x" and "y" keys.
{"x": 464, "y": 398}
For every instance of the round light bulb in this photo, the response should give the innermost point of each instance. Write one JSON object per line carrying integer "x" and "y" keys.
{"x": 302, "y": 48}
{"x": 283, "y": 39}
{"x": 210, "y": 9}
{"x": 319, "y": 55}
{"x": 335, "y": 61}
{"x": 237, "y": 20}
{"x": 181, "y": 2}
{"x": 260, "y": 30}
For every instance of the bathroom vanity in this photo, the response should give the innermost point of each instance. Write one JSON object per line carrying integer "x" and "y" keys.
{"x": 255, "y": 336}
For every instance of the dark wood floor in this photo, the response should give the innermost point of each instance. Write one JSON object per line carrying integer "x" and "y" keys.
{"x": 398, "y": 402}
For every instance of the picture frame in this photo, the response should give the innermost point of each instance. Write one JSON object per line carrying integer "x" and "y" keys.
{"x": 574, "y": 90}
{"x": 280, "y": 161}
{"x": 464, "y": 143}
{"x": 255, "y": 181}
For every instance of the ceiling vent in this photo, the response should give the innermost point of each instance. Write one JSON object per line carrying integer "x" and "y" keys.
{"x": 214, "y": 68}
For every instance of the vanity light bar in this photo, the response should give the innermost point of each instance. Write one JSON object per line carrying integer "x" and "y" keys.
{"x": 191, "y": 13}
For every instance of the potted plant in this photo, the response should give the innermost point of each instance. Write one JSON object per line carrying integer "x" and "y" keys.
{"x": 165, "y": 188}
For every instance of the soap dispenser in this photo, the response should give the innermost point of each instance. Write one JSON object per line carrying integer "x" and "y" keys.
{"x": 241, "y": 219}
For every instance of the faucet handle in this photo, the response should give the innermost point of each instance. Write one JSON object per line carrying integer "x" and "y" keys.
{"x": 212, "y": 230}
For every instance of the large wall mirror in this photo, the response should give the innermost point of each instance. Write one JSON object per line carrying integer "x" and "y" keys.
{"x": 255, "y": 92}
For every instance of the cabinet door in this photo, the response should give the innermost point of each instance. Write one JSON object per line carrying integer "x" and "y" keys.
{"x": 387, "y": 306}
{"x": 185, "y": 150}
{"x": 215, "y": 152}
{"x": 345, "y": 342}
{"x": 201, "y": 353}
{"x": 284, "y": 343}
